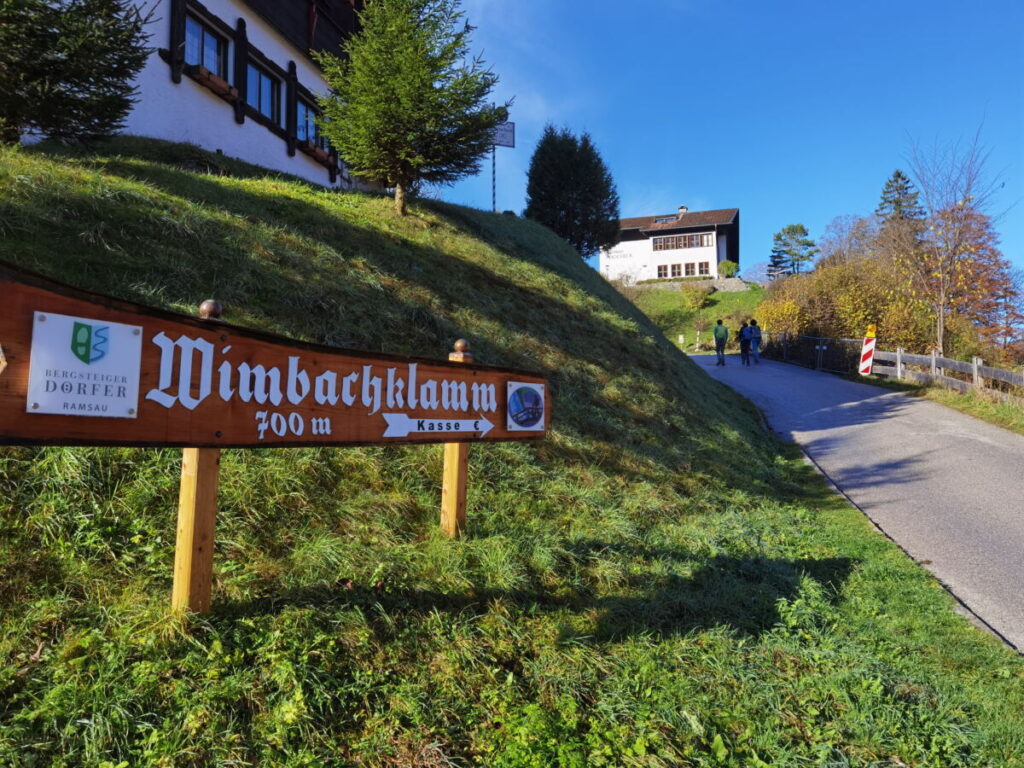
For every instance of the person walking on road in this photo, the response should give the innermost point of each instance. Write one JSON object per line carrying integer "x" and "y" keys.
{"x": 721, "y": 337}
{"x": 744, "y": 335}
{"x": 755, "y": 341}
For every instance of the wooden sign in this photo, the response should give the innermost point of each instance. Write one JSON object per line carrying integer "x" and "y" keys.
{"x": 84, "y": 369}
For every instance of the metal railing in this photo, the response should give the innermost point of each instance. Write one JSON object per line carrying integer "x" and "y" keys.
{"x": 817, "y": 352}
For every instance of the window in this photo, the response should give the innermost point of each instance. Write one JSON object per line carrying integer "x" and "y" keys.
{"x": 689, "y": 270}
{"x": 664, "y": 219}
{"x": 306, "y": 128}
{"x": 677, "y": 270}
{"x": 663, "y": 270}
{"x": 671, "y": 242}
{"x": 705, "y": 268}
{"x": 205, "y": 47}
{"x": 264, "y": 93}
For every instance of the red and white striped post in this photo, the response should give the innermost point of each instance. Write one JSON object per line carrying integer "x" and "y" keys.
{"x": 867, "y": 352}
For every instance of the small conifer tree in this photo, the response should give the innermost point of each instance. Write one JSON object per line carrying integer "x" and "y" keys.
{"x": 407, "y": 105}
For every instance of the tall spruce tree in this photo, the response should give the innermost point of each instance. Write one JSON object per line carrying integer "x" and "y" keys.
{"x": 901, "y": 218}
{"x": 408, "y": 105}
{"x": 900, "y": 200}
{"x": 791, "y": 249}
{"x": 570, "y": 190}
{"x": 778, "y": 263}
{"x": 67, "y": 66}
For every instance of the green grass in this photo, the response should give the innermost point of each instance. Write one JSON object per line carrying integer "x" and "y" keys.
{"x": 657, "y": 584}
{"x": 981, "y": 406}
{"x": 886, "y": 382}
{"x": 665, "y": 308}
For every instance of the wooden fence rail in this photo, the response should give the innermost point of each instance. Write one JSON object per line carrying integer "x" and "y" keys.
{"x": 895, "y": 364}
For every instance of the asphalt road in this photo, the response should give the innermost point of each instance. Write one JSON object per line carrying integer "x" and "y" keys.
{"x": 947, "y": 487}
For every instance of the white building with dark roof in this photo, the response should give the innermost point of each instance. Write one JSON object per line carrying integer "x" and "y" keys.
{"x": 677, "y": 245}
{"x": 239, "y": 76}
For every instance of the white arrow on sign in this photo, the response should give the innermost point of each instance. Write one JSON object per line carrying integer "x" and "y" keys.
{"x": 400, "y": 425}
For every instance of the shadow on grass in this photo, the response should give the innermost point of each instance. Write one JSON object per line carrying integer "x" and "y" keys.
{"x": 739, "y": 593}
{"x": 340, "y": 280}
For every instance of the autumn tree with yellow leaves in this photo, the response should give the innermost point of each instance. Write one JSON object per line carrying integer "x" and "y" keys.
{"x": 926, "y": 268}
{"x": 957, "y": 267}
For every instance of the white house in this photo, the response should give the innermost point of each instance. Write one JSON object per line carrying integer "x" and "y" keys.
{"x": 682, "y": 244}
{"x": 237, "y": 76}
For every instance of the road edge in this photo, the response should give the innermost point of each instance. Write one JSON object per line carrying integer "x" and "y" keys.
{"x": 961, "y": 607}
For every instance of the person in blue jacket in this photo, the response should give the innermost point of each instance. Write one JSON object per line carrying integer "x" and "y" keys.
{"x": 744, "y": 336}
{"x": 755, "y": 341}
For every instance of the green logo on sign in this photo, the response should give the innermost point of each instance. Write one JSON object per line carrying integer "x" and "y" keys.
{"x": 89, "y": 342}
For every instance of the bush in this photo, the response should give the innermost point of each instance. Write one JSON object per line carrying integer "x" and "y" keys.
{"x": 781, "y": 316}
{"x": 842, "y": 299}
{"x": 695, "y": 296}
{"x": 668, "y": 318}
{"x": 728, "y": 268}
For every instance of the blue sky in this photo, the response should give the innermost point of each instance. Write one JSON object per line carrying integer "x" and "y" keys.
{"x": 790, "y": 111}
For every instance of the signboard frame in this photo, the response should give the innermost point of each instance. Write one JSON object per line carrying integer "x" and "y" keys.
{"x": 25, "y": 292}
{"x": 32, "y": 299}
{"x": 505, "y": 135}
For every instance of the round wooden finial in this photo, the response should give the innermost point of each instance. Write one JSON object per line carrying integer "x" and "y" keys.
{"x": 462, "y": 345}
{"x": 210, "y": 309}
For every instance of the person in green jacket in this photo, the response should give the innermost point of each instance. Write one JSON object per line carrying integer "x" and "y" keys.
{"x": 721, "y": 336}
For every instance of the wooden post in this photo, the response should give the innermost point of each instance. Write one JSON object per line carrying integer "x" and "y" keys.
{"x": 456, "y": 467}
{"x": 935, "y": 366}
{"x": 291, "y": 100}
{"x": 177, "y": 41}
{"x": 197, "y": 517}
{"x": 241, "y": 70}
{"x": 899, "y": 363}
{"x": 976, "y": 363}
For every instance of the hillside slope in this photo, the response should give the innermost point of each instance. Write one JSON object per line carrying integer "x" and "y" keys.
{"x": 667, "y": 311}
{"x": 653, "y": 585}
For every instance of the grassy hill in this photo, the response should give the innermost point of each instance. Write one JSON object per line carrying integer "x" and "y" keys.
{"x": 657, "y": 584}
{"x": 666, "y": 309}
